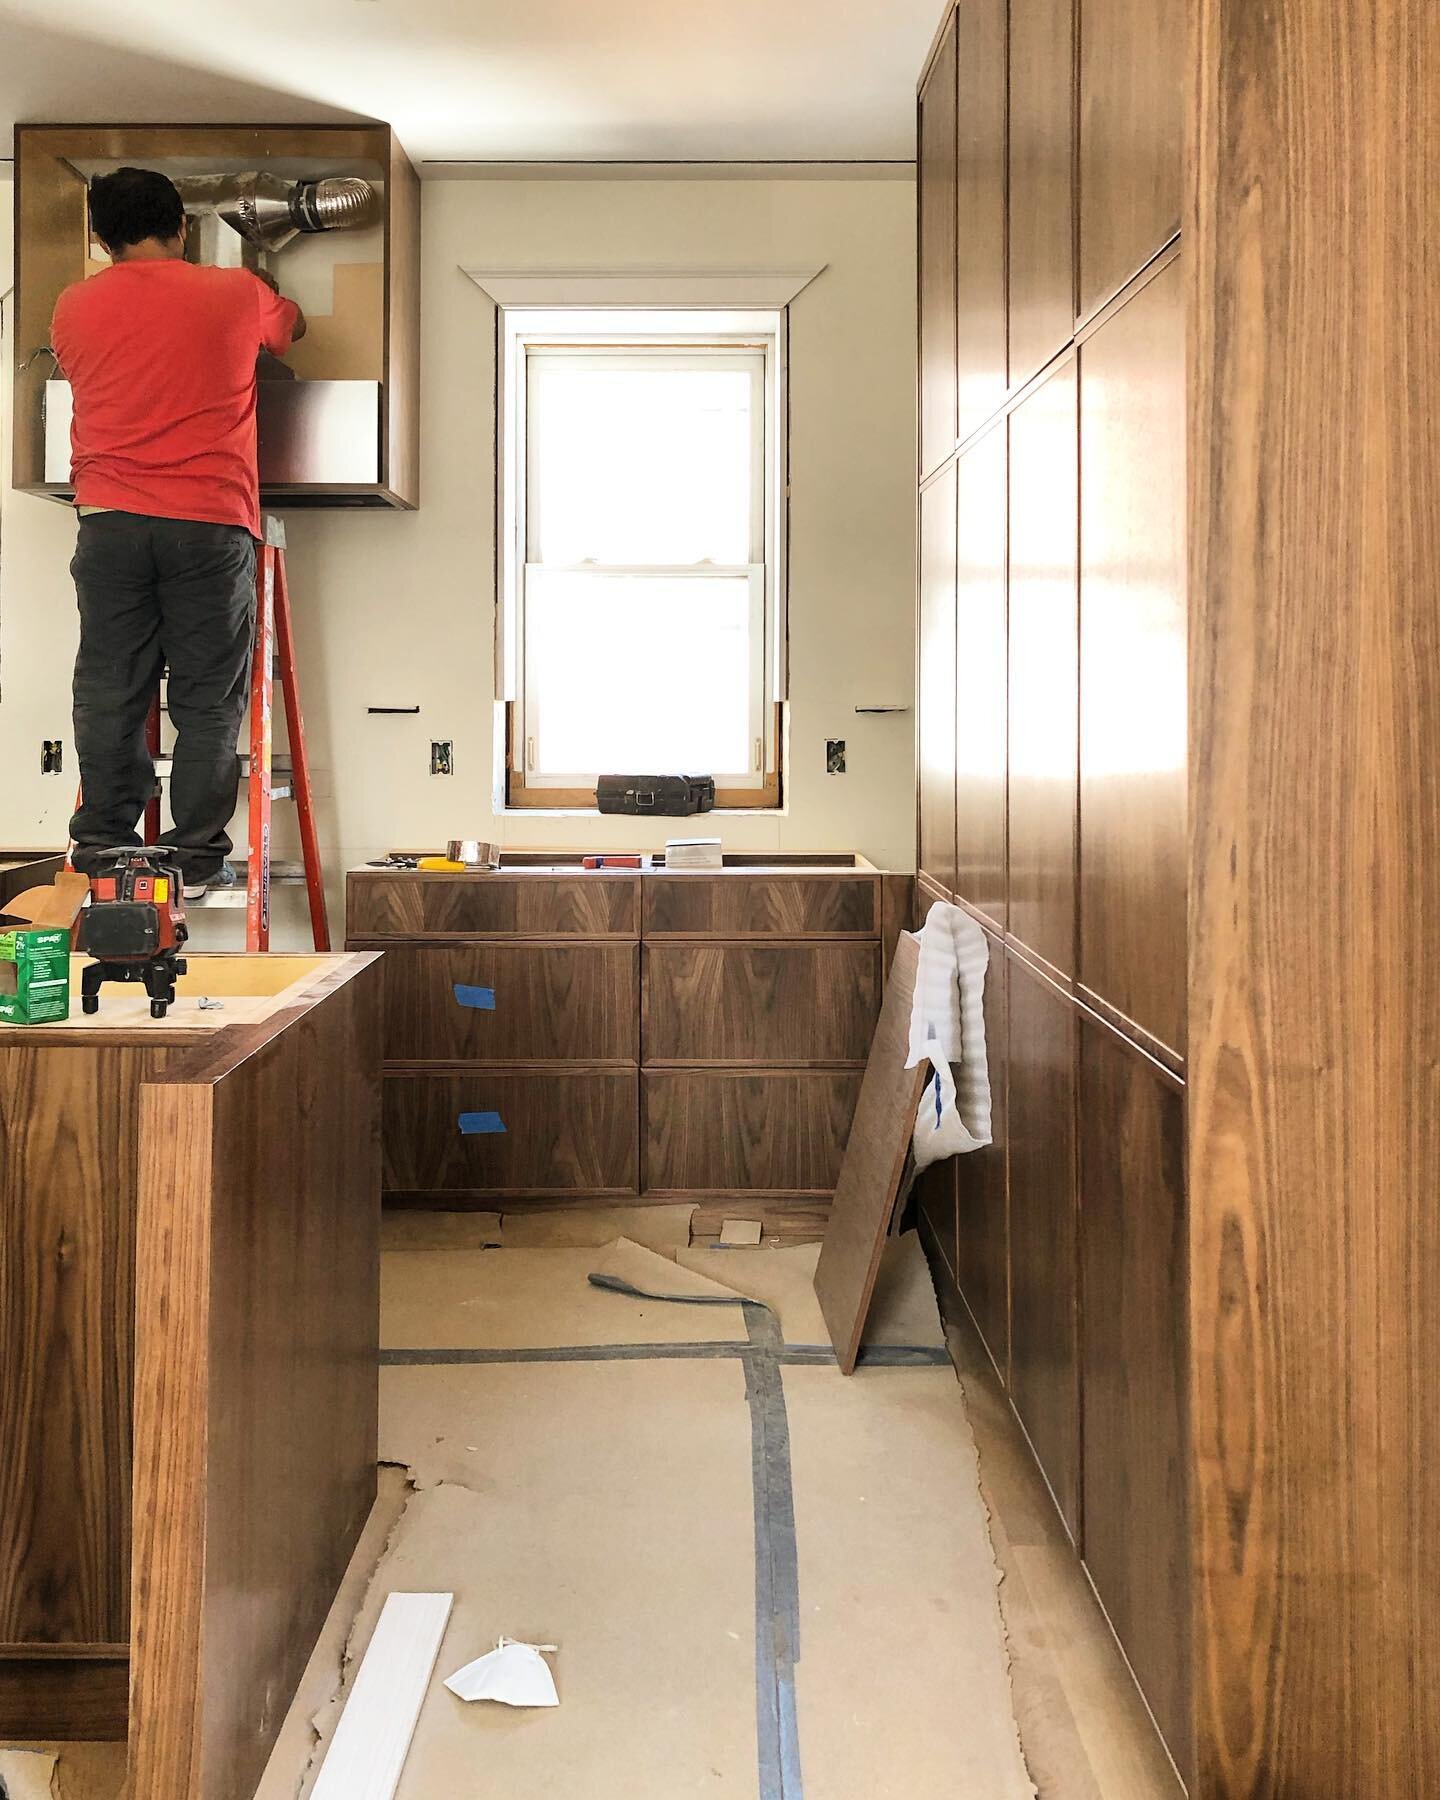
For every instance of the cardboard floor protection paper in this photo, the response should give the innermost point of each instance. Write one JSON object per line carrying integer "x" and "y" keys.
{"x": 526, "y": 1299}
{"x": 902, "y": 1683}
{"x": 601, "y": 1507}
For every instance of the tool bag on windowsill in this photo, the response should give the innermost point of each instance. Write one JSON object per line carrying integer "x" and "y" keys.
{"x": 665, "y": 796}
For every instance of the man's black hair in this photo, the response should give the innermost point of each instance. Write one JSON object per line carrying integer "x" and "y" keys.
{"x": 134, "y": 204}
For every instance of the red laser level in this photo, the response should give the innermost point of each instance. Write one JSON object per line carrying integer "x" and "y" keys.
{"x": 134, "y": 927}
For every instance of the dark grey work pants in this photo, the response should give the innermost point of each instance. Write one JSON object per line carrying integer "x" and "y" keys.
{"x": 158, "y": 593}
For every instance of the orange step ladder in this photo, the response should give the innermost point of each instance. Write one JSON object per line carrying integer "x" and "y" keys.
{"x": 274, "y": 654}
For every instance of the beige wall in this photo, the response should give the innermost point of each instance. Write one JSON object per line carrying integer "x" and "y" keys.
{"x": 398, "y": 609}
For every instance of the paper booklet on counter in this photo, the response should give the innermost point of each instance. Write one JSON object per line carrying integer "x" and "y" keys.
{"x": 692, "y": 853}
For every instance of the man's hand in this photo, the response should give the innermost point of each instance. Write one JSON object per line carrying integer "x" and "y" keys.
{"x": 274, "y": 287}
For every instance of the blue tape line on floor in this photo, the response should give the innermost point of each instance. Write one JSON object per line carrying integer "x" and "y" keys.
{"x": 482, "y": 998}
{"x": 777, "y": 1563}
{"x": 476, "y": 1123}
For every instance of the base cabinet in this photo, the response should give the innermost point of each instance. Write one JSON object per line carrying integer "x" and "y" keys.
{"x": 559, "y": 1036}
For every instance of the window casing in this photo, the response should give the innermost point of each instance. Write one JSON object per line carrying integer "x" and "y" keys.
{"x": 641, "y": 615}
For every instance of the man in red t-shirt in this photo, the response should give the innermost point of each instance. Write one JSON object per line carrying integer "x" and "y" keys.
{"x": 160, "y": 354}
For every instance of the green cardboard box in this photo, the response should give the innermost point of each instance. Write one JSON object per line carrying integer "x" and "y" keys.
{"x": 34, "y": 974}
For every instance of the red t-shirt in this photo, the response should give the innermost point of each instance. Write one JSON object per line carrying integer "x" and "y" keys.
{"x": 161, "y": 356}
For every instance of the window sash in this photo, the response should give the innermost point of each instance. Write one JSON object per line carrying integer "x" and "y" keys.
{"x": 756, "y": 337}
{"x": 751, "y": 779}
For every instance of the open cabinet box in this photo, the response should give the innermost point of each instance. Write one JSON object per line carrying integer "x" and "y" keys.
{"x": 338, "y": 420}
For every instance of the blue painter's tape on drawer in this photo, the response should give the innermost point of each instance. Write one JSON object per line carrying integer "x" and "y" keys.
{"x": 474, "y": 1124}
{"x": 482, "y": 998}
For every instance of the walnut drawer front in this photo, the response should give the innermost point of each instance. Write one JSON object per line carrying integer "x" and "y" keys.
{"x": 726, "y": 1130}
{"x": 512, "y": 1132}
{"x": 495, "y": 1002}
{"x": 411, "y": 905}
{"x": 762, "y": 906}
{"x": 760, "y": 1003}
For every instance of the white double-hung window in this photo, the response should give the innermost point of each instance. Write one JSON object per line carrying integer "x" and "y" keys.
{"x": 642, "y": 541}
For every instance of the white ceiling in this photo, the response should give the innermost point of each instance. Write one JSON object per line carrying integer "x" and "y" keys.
{"x": 621, "y": 80}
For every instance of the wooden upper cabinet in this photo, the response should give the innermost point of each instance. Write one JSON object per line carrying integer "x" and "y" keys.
{"x": 980, "y": 212}
{"x": 1044, "y": 668}
{"x": 937, "y": 680}
{"x": 1132, "y": 109}
{"x": 1042, "y": 183}
{"x": 345, "y": 429}
{"x": 1133, "y": 661}
{"x": 936, "y": 176}
{"x": 980, "y": 678}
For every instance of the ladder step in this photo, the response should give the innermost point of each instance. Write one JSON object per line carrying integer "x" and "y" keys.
{"x": 280, "y": 765}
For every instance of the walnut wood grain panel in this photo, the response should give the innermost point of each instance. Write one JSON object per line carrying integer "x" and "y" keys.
{"x": 492, "y": 905}
{"x": 1136, "y": 1369}
{"x": 1133, "y": 660}
{"x": 1044, "y": 1353}
{"x": 875, "y": 1157}
{"x": 982, "y": 1253}
{"x": 980, "y": 752}
{"x": 777, "y": 1003}
{"x": 936, "y": 177}
{"x": 937, "y": 680}
{"x": 1042, "y": 182}
{"x": 566, "y": 1131}
{"x": 1131, "y": 138}
{"x": 256, "y": 1379}
{"x": 1044, "y": 668}
{"x": 762, "y": 906}
{"x": 935, "y": 1207}
{"x": 68, "y": 1145}
{"x": 980, "y": 211}
{"x": 1314, "y": 1114}
{"x": 728, "y": 1130}
{"x": 75, "y": 1693}
{"x": 579, "y": 1002}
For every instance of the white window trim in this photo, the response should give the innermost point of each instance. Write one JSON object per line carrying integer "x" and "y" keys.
{"x": 661, "y": 288}
{"x": 761, "y": 326}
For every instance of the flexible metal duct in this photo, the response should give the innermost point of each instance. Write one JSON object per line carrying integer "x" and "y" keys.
{"x": 268, "y": 212}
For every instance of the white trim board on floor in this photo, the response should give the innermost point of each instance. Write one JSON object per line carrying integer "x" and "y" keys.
{"x": 367, "y": 1754}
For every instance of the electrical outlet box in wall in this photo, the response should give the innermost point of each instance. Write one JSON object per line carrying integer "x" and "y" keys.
{"x": 442, "y": 756}
{"x": 834, "y": 756}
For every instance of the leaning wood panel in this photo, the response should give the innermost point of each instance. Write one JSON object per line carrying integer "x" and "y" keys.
{"x": 1044, "y": 668}
{"x": 760, "y": 1003}
{"x": 762, "y": 906}
{"x": 980, "y": 212}
{"x": 68, "y": 1142}
{"x": 1132, "y": 661}
{"x": 492, "y": 905}
{"x": 579, "y": 1002}
{"x": 256, "y": 1380}
{"x": 722, "y": 1129}
{"x": 1042, "y": 183}
{"x": 1136, "y": 1368}
{"x": 874, "y": 1162}
{"x": 559, "y": 1131}
{"x": 1044, "y": 1352}
{"x": 936, "y": 177}
{"x": 1132, "y": 109}
{"x": 937, "y": 680}
{"x": 980, "y": 671}
{"x": 982, "y": 1256}
{"x": 1314, "y": 1111}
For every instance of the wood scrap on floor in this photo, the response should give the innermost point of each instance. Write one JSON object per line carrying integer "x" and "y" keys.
{"x": 367, "y": 1755}
{"x": 873, "y": 1167}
